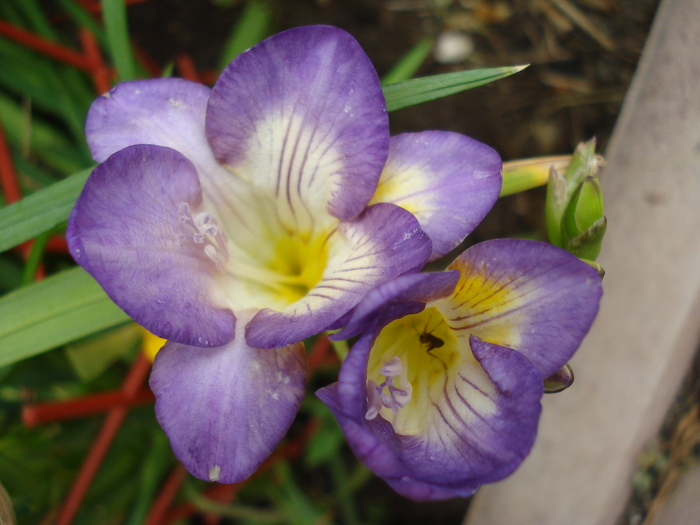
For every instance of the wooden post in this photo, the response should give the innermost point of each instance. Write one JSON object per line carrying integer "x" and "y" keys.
{"x": 631, "y": 364}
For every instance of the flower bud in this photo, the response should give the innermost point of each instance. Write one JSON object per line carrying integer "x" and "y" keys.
{"x": 574, "y": 210}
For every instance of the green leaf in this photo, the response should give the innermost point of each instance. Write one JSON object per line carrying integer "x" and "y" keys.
{"x": 91, "y": 356}
{"x": 423, "y": 89}
{"x": 410, "y": 62}
{"x": 45, "y": 141}
{"x": 253, "y": 25}
{"x": 40, "y": 212}
{"x": 114, "y": 16}
{"x": 85, "y": 19}
{"x": 52, "y": 312}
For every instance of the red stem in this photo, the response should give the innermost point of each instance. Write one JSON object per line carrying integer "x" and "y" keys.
{"x": 39, "y": 414}
{"x": 8, "y": 175}
{"x": 47, "y": 47}
{"x": 185, "y": 65}
{"x": 166, "y": 495}
{"x": 101, "y": 74}
{"x": 110, "y": 426}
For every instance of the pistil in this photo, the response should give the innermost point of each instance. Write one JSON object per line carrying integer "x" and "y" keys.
{"x": 394, "y": 398}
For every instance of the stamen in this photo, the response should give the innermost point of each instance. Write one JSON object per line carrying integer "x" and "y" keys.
{"x": 374, "y": 400}
{"x": 395, "y": 398}
{"x": 206, "y": 232}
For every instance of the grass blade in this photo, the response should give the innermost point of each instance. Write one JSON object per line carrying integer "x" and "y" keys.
{"x": 423, "y": 89}
{"x": 40, "y": 212}
{"x": 114, "y": 16}
{"x": 252, "y": 27}
{"x": 409, "y": 63}
{"x": 52, "y": 312}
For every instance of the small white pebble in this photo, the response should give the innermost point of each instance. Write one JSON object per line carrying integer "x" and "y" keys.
{"x": 453, "y": 47}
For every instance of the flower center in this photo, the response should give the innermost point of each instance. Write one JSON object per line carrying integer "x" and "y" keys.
{"x": 423, "y": 354}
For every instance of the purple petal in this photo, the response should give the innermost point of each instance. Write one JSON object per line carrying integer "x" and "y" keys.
{"x": 225, "y": 409}
{"x": 168, "y": 112}
{"x": 126, "y": 231}
{"x": 526, "y": 295}
{"x": 404, "y": 295}
{"x": 478, "y": 431}
{"x": 447, "y": 180}
{"x": 165, "y": 112}
{"x": 302, "y": 116}
{"x": 382, "y": 243}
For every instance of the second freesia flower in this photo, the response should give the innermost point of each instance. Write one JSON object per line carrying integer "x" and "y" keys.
{"x": 441, "y": 393}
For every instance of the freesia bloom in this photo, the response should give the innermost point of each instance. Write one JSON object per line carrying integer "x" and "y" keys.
{"x": 237, "y": 221}
{"x": 442, "y": 391}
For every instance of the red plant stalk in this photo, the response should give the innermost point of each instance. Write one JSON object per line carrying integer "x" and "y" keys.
{"x": 101, "y": 74}
{"x": 94, "y": 7}
{"x": 185, "y": 65}
{"x": 8, "y": 175}
{"x": 46, "y": 47}
{"x": 110, "y": 426}
{"x": 57, "y": 244}
{"x": 166, "y": 495}
{"x": 39, "y": 414}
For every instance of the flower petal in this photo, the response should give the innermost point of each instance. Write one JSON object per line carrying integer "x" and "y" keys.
{"x": 225, "y": 409}
{"x": 530, "y": 296}
{"x": 478, "y": 432}
{"x": 168, "y": 112}
{"x": 382, "y": 243}
{"x": 302, "y": 115}
{"x": 447, "y": 180}
{"x": 399, "y": 297}
{"x": 126, "y": 231}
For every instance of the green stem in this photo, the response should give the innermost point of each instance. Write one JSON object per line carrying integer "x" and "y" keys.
{"x": 232, "y": 511}
{"x": 35, "y": 257}
{"x": 343, "y": 492}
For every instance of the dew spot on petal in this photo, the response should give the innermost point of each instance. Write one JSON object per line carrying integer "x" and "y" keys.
{"x": 214, "y": 473}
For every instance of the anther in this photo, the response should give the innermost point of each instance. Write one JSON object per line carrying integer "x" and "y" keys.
{"x": 205, "y": 232}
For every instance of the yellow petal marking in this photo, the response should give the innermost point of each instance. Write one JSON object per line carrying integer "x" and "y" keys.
{"x": 435, "y": 362}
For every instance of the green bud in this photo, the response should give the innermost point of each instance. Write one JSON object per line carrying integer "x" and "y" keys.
{"x": 555, "y": 205}
{"x": 574, "y": 211}
{"x": 584, "y": 209}
{"x": 584, "y": 163}
{"x": 587, "y": 244}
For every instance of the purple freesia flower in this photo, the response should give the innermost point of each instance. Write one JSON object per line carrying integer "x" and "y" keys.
{"x": 441, "y": 393}
{"x": 237, "y": 221}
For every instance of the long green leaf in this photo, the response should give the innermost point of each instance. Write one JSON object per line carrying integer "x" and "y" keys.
{"x": 114, "y": 16}
{"x": 409, "y": 63}
{"x": 423, "y": 89}
{"x": 253, "y": 25}
{"x": 52, "y": 312}
{"x": 46, "y": 142}
{"x": 39, "y": 212}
